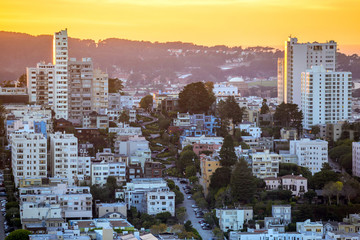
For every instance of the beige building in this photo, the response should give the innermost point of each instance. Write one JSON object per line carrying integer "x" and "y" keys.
{"x": 208, "y": 165}
{"x": 265, "y": 164}
{"x": 100, "y": 91}
{"x": 288, "y": 133}
{"x": 111, "y": 210}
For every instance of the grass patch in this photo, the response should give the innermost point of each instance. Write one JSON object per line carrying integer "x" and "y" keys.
{"x": 264, "y": 83}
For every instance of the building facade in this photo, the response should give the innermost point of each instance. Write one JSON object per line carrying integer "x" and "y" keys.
{"x": 29, "y": 155}
{"x": 356, "y": 159}
{"x": 265, "y": 164}
{"x": 325, "y": 96}
{"x": 311, "y": 154}
{"x": 297, "y": 58}
{"x": 234, "y": 219}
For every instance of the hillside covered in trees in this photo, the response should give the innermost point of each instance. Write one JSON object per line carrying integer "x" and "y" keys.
{"x": 161, "y": 61}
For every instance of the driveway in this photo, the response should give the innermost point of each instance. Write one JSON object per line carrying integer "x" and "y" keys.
{"x": 190, "y": 214}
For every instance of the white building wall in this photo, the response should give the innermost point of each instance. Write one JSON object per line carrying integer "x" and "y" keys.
{"x": 311, "y": 154}
{"x": 64, "y": 156}
{"x": 29, "y": 155}
{"x": 356, "y": 159}
{"x": 326, "y": 96}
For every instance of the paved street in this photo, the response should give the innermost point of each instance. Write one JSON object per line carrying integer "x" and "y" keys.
{"x": 190, "y": 214}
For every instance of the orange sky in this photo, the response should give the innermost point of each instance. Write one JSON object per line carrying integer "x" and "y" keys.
{"x": 209, "y": 22}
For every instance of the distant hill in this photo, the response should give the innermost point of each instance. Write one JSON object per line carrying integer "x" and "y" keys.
{"x": 152, "y": 61}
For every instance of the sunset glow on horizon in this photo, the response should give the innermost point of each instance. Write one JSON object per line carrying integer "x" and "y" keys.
{"x": 207, "y": 22}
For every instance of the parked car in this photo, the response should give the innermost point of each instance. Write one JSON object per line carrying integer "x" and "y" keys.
{"x": 194, "y": 206}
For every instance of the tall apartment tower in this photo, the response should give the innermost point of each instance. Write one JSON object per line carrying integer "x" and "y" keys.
{"x": 280, "y": 80}
{"x": 298, "y": 57}
{"x": 325, "y": 96}
{"x": 64, "y": 156}
{"x": 40, "y": 84}
{"x": 80, "y": 86}
{"x": 60, "y": 60}
{"x": 100, "y": 91}
{"x": 356, "y": 159}
{"x": 29, "y": 155}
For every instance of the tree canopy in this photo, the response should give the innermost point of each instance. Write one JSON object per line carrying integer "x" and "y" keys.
{"x": 146, "y": 102}
{"x": 264, "y": 107}
{"x": 115, "y": 85}
{"x": 242, "y": 183}
{"x": 19, "y": 234}
{"x": 289, "y": 115}
{"x": 227, "y": 152}
{"x": 229, "y": 110}
{"x": 220, "y": 178}
{"x": 195, "y": 98}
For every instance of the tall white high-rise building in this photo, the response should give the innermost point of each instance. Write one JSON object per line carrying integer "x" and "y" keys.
{"x": 60, "y": 60}
{"x": 29, "y": 155}
{"x": 297, "y": 58}
{"x": 325, "y": 96}
{"x": 64, "y": 156}
{"x": 356, "y": 159}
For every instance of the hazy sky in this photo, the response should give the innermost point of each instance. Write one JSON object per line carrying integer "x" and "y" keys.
{"x": 209, "y": 22}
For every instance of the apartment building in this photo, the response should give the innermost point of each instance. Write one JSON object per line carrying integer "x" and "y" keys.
{"x": 234, "y": 219}
{"x": 288, "y": 133}
{"x": 100, "y": 171}
{"x": 282, "y": 212}
{"x": 150, "y": 195}
{"x": 73, "y": 202}
{"x": 325, "y": 96}
{"x": 269, "y": 234}
{"x": 223, "y": 91}
{"x": 124, "y": 129}
{"x": 202, "y": 140}
{"x": 297, "y": 58}
{"x": 296, "y": 184}
{"x": 64, "y": 156}
{"x": 60, "y": 61}
{"x": 199, "y": 148}
{"x": 29, "y": 156}
{"x": 100, "y": 91}
{"x": 356, "y": 159}
{"x": 130, "y": 145}
{"x": 265, "y": 164}
{"x": 311, "y": 154}
{"x": 208, "y": 165}
{"x": 250, "y": 128}
{"x": 80, "y": 87}
{"x": 41, "y": 84}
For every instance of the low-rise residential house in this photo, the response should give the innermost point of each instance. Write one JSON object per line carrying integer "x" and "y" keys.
{"x": 100, "y": 171}
{"x": 111, "y": 210}
{"x": 95, "y": 120}
{"x": 265, "y": 164}
{"x": 270, "y": 234}
{"x": 201, "y": 140}
{"x": 153, "y": 170}
{"x": 199, "y": 148}
{"x": 288, "y": 133}
{"x": 124, "y": 129}
{"x": 296, "y": 184}
{"x": 234, "y": 219}
{"x": 339, "y": 235}
{"x": 74, "y": 202}
{"x": 250, "y": 128}
{"x": 208, "y": 165}
{"x": 149, "y": 195}
{"x": 316, "y": 228}
{"x": 283, "y": 212}
{"x": 88, "y": 226}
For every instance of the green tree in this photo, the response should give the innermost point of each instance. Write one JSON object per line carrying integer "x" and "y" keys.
{"x": 179, "y": 197}
{"x": 190, "y": 171}
{"x": 124, "y": 117}
{"x": 309, "y": 195}
{"x": 220, "y": 178}
{"x": 242, "y": 183}
{"x": 19, "y": 234}
{"x": 264, "y": 107}
{"x": 227, "y": 152}
{"x": 230, "y": 111}
{"x": 157, "y": 229}
{"x": 320, "y": 179}
{"x": 195, "y": 98}
{"x": 187, "y": 158}
{"x": 22, "y": 81}
{"x": 115, "y": 85}
{"x": 180, "y": 214}
{"x": 315, "y": 130}
{"x": 146, "y": 102}
{"x": 163, "y": 217}
{"x": 288, "y": 115}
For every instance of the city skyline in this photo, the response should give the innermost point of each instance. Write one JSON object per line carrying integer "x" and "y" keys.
{"x": 206, "y": 22}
